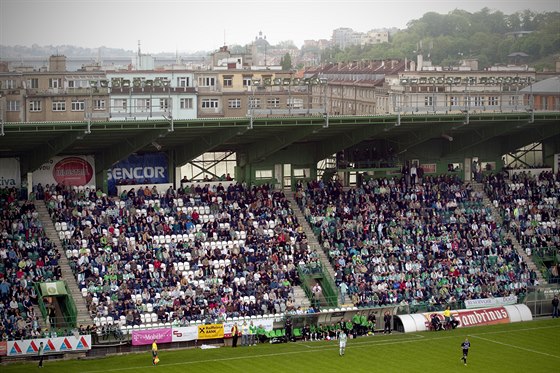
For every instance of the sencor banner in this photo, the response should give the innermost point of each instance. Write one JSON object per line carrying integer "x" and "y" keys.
{"x": 10, "y": 175}
{"x": 145, "y": 337}
{"x": 490, "y": 302}
{"x": 51, "y": 345}
{"x": 211, "y": 331}
{"x": 477, "y": 317}
{"x": 71, "y": 171}
{"x": 150, "y": 168}
{"x": 184, "y": 334}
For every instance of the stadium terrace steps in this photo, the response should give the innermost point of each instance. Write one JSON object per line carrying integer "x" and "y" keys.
{"x": 83, "y": 317}
{"x": 310, "y": 235}
{"x": 479, "y": 187}
{"x": 40, "y": 320}
{"x": 300, "y": 298}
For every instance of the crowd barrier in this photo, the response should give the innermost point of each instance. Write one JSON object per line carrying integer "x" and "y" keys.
{"x": 163, "y": 187}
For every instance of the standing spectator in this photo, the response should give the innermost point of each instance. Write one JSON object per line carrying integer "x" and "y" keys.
{"x": 343, "y": 291}
{"x": 555, "y": 307}
{"x": 413, "y": 173}
{"x": 316, "y": 294}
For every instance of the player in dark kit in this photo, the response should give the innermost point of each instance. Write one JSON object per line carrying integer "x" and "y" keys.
{"x": 465, "y": 346}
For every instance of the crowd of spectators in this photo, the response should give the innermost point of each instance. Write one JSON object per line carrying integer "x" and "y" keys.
{"x": 530, "y": 208}
{"x": 407, "y": 241}
{"x": 26, "y": 256}
{"x": 186, "y": 254}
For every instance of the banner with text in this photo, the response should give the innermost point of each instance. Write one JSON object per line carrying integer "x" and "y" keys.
{"x": 71, "y": 171}
{"x": 3, "y": 348}
{"x": 184, "y": 334}
{"x": 476, "y": 317}
{"x": 10, "y": 175}
{"x": 149, "y": 168}
{"x": 146, "y": 337}
{"x": 267, "y": 324}
{"x": 491, "y": 302}
{"x": 50, "y": 345}
{"x": 211, "y": 331}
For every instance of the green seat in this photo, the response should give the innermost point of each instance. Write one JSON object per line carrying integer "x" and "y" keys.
{"x": 270, "y": 334}
{"x": 281, "y": 333}
{"x": 297, "y": 333}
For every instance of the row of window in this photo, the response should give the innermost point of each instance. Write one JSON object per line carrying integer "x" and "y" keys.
{"x": 210, "y": 81}
{"x": 37, "y": 105}
{"x": 33, "y": 83}
{"x": 254, "y": 103}
{"x": 98, "y": 104}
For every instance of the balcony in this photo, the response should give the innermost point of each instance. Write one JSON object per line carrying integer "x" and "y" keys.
{"x": 67, "y": 91}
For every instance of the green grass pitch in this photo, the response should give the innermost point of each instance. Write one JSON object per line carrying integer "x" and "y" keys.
{"x": 529, "y": 347}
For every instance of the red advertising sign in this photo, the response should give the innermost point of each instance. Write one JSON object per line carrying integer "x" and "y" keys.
{"x": 73, "y": 171}
{"x": 3, "y": 348}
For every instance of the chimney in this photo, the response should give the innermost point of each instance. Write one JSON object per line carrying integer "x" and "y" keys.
{"x": 57, "y": 63}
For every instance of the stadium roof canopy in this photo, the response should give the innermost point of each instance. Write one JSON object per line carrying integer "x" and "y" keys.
{"x": 112, "y": 141}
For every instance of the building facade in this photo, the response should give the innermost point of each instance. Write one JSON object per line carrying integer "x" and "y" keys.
{"x": 150, "y": 94}
{"x": 53, "y": 94}
{"x": 389, "y": 87}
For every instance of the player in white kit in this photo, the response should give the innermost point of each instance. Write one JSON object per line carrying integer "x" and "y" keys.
{"x": 342, "y": 340}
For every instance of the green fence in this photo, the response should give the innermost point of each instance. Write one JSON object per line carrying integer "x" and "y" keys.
{"x": 545, "y": 258}
{"x": 70, "y": 311}
{"x": 65, "y": 302}
{"x": 329, "y": 291}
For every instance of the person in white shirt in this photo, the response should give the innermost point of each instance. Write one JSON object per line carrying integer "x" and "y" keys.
{"x": 342, "y": 341}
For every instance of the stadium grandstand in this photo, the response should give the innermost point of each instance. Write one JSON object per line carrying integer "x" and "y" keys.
{"x": 362, "y": 223}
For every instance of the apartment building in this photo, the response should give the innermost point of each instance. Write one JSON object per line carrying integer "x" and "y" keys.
{"x": 388, "y": 87}
{"x": 53, "y": 94}
{"x": 151, "y": 94}
{"x": 354, "y": 88}
{"x": 243, "y": 92}
{"x": 448, "y": 91}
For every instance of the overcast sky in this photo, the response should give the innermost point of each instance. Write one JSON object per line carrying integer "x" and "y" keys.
{"x": 192, "y": 25}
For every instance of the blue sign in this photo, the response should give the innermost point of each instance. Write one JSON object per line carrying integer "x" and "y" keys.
{"x": 149, "y": 168}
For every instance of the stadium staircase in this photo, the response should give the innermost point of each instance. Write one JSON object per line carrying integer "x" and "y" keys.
{"x": 83, "y": 316}
{"x": 300, "y": 298}
{"x": 40, "y": 320}
{"x": 327, "y": 269}
{"x": 479, "y": 187}
{"x": 311, "y": 238}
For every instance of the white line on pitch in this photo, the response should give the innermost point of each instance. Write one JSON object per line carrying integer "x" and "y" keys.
{"x": 513, "y": 346}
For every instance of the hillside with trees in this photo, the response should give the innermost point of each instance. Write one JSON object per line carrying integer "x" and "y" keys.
{"x": 488, "y": 36}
